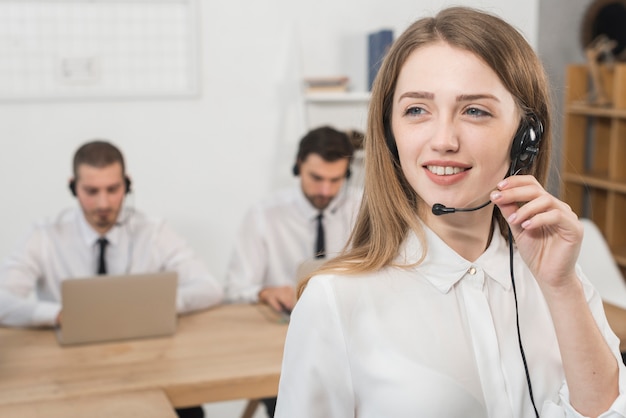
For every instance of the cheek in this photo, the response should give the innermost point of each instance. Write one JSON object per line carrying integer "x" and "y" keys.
{"x": 334, "y": 187}
{"x": 307, "y": 186}
{"x": 408, "y": 152}
{"x": 87, "y": 204}
{"x": 501, "y": 153}
{"x": 500, "y": 163}
{"x": 117, "y": 198}
{"x": 409, "y": 141}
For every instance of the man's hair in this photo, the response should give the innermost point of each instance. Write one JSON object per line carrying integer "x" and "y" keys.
{"x": 390, "y": 204}
{"x": 98, "y": 153}
{"x": 328, "y": 143}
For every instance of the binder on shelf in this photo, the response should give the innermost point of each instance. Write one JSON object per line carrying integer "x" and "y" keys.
{"x": 378, "y": 44}
{"x": 331, "y": 84}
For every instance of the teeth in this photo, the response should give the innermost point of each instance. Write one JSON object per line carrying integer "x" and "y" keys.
{"x": 444, "y": 171}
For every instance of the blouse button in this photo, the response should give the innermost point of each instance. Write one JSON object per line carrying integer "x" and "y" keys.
{"x": 472, "y": 270}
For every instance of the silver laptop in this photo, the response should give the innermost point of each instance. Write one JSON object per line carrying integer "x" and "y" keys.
{"x": 109, "y": 308}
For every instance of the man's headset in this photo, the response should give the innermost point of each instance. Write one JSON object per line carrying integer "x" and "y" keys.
{"x": 524, "y": 149}
{"x": 127, "y": 184}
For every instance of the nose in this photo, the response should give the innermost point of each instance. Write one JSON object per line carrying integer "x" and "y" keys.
{"x": 325, "y": 188}
{"x": 445, "y": 137}
{"x": 102, "y": 201}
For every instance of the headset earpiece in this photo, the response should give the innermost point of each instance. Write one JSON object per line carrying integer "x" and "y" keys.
{"x": 72, "y": 187}
{"x": 127, "y": 184}
{"x": 525, "y": 146}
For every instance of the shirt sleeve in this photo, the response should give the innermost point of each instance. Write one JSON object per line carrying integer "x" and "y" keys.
{"x": 618, "y": 409}
{"x": 197, "y": 288}
{"x": 19, "y": 274}
{"x": 247, "y": 267}
{"x": 315, "y": 379}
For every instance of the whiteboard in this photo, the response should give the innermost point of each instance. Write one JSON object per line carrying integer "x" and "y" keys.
{"x": 54, "y": 49}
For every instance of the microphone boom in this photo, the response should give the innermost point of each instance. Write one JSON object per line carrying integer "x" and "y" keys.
{"x": 439, "y": 209}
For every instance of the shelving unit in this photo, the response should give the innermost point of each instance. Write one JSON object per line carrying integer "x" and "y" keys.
{"x": 594, "y": 154}
{"x": 355, "y": 97}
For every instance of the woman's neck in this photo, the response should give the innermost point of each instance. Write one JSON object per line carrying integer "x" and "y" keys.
{"x": 468, "y": 234}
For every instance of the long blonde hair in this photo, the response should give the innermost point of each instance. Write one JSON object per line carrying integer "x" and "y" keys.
{"x": 390, "y": 205}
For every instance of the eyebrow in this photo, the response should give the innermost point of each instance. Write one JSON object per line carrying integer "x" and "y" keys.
{"x": 459, "y": 98}
{"x": 108, "y": 187}
{"x": 417, "y": 95}
{"x": 472, "y": 97}
{"x": 318, "y": 177}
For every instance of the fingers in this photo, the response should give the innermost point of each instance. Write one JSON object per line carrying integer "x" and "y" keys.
{"x": 279, "y": 298}
{"x": 526, "y": 204}
{"x": 274, "y": 303}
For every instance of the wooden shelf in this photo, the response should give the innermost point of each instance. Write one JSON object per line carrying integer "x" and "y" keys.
{"x": 594, "y": 181}
{"x": 596, "y": 111}
{"x": 594, "y": 151}
{"x": 339, "y": 97}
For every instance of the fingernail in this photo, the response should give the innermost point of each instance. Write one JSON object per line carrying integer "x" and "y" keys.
{"x": 495, "y": 196}
{"x": 525, "y": 224}
{"x": 503, "y": 184}
{"x": 512, "y": 218}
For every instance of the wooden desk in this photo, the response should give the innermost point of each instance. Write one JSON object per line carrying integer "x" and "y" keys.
{"x": 229, "y": 352}
{"x": 153, "y": 404}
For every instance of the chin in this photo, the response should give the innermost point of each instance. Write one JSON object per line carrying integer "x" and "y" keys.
{"x": 322, "y": 206}
{"x": 105, "y": 225}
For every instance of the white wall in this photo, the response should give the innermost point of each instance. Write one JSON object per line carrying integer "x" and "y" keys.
{"x": 201, "y": 162}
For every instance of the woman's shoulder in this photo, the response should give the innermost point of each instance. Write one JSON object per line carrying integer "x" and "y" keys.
{"x": 345, "y": 288}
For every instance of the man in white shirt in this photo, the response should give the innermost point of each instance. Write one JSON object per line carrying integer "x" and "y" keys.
{"x": 286, "y": 229}
{"x": 98, "y": 237}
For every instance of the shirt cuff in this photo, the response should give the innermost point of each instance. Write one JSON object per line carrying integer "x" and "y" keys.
{"x": 45, "y": 314}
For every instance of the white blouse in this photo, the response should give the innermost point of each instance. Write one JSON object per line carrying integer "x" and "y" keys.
{"x": 436, "y": 340}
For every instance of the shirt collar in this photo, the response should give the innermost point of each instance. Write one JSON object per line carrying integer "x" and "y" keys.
{"x": 443, "y": 267}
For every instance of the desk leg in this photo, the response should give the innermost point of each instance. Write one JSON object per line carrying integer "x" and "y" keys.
{"x": 250, "y": 408}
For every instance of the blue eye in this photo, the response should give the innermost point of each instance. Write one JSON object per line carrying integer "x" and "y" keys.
{"x": 414, "y": 111}
{"x": 473, "y": 111}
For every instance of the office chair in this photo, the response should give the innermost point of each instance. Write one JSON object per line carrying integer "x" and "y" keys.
{"x": 599, "y": 265}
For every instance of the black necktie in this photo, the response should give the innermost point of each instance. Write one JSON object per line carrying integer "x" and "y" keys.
{"x": 320, "y": 248}
{"x": 102, "y": 267}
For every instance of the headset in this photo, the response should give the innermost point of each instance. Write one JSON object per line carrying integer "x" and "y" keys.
{"x": 127, "y": 186}
{"x": 296, "y": 169}
{"x": 525, "y": 145}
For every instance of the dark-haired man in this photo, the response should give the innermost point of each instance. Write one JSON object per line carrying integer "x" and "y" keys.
{"x": 283, "y": 230}
{"x": 97, "y": 237}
